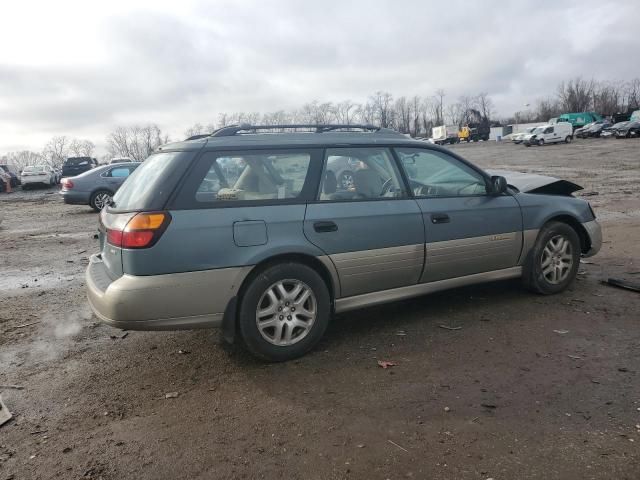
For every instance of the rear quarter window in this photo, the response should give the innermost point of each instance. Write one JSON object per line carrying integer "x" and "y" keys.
{"x": 149, "y": 186}
{"x": 227, "y": 179}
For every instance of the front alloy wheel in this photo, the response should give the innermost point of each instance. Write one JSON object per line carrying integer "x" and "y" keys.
{"x": 552, "y": 263}
{"x": 557, "y": 260}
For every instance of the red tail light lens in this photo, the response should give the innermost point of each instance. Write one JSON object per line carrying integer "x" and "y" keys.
{"x": 66, "y": 183}
{"x": 141, "y": 231}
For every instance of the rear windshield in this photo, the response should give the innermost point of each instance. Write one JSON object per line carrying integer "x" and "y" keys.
{"x": 77, "y": 161}
{"x": 37, "y": 168}
{"x": 150, "y": 185}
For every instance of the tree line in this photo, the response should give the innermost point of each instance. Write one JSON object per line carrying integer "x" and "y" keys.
{"x": 415, "y": 115}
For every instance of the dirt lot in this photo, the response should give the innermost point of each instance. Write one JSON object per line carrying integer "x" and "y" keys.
{"x": 504, "y": 396}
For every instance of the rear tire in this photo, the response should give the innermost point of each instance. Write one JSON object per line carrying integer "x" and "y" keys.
{"x": 284, "y": 312}
{"x": 552, "y": 263}
{"x": 99, "y": 199}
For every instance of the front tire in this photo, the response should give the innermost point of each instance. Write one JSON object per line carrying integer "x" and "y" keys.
{"x": 541, "y": 142}
{"x": 284, "y": 312}
{"x": 100, "y": 199}
{"x": 553, "y": 262}
{"x": 568, "y": 139}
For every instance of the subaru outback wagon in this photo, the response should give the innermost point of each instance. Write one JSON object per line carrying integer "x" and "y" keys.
{"x": 253, "y": 229}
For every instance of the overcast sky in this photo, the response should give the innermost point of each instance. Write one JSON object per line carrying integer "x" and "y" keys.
{"x": 80, "y": 68}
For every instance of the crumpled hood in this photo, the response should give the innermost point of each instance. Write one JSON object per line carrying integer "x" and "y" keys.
{"x": 534, "y": 183}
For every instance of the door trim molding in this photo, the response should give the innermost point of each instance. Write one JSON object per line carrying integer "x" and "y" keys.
{"x": 384, "y": 296}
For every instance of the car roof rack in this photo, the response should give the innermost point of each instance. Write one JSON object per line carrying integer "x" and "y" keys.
{"x": 244, "y": 129}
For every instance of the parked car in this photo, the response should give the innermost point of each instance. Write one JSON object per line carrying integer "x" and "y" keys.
{"x": 544, "y": 134}
{"x": 270, "y": 254}
{"x": 73, "y": 166}
{"x": 96, "y": 187}
{"x": 631, "y": 129}
{"x": 120, "y": 160}
{"x": 611, "y": 130}
{"x": 595, "y": 129}
{"x": 13, "y": 172}
{"x": 37, "y": 175}
{"x": 517, "y": 138}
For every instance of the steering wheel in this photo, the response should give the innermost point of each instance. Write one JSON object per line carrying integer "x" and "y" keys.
{"x": 387, "y": 187}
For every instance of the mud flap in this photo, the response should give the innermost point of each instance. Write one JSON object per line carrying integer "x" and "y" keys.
{"x": 229, "y": 321}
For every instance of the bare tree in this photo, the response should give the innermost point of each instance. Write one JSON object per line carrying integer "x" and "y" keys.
{"x": 56, "y": 151}
{"x": 576, "y": 95}
{"x": 136, "y": 142}
{"x": 382, "y": 108}
{"x": 455, "y": 113}
{"x": 403, "y": 115}
{"x": 22, "y": 159}
{"x": 81, "y": 148}
{"x": 632, "y": 94}
{"x": 485, "y": 105}
{"x": 345, "y": 112}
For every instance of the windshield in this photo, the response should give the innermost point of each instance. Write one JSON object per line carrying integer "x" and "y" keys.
{"x": 538, "y": 130}
{"x": 150, "y": 185}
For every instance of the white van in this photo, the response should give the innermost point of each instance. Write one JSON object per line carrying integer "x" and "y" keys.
{"x": 559, "y": 132}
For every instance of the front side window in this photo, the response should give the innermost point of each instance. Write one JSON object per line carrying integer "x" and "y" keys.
{"x": 360, "y": 174}
{"x": 253, "y": 176}
{"x": 436, "y": 174}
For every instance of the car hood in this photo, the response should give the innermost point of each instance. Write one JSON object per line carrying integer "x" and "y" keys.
{"x": 534, "y": 183}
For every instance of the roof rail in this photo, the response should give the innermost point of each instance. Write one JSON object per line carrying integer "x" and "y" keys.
{"x": 232, "y": 130}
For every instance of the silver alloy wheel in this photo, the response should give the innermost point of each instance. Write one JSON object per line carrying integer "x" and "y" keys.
{"x": 102, "y": 200}
{"x": 557, "y": 259}
{"x": 286, "y": 312}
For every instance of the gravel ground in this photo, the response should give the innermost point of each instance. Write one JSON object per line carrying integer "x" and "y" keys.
{"x": 506, "y": 396}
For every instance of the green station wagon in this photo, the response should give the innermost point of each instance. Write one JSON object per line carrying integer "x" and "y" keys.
{"x": 255, "y": 230}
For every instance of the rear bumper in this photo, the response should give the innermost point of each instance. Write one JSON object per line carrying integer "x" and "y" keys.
{"x": 594, "y": 231}
{"x": 162, "y": 302}
{"x": 75, "y": 198}
{"x": 35, "y": 181}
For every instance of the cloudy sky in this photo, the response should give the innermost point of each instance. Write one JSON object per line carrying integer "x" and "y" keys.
{"x": 80, "y": 68}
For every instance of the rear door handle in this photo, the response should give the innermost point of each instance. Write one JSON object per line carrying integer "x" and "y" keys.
{"x": 323, "y": 227}
{"x": 440, "y": 218}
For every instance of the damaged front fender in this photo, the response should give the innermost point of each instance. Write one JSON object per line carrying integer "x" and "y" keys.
{"x": 534, "y": 183}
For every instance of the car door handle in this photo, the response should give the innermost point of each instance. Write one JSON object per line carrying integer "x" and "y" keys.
{"x": 323, "y": 227}
{"x": 440, "y": 218}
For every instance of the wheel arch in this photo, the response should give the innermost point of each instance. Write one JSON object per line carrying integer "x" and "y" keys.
{"x": 585, "y": 240}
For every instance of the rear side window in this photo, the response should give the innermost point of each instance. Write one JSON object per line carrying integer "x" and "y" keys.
{"x": 150, "y": 185}
{"x": 119, "y": 172}
{"x": 250, "y": 177}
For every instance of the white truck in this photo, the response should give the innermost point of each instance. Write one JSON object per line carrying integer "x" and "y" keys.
{"x": 445, "y": 134}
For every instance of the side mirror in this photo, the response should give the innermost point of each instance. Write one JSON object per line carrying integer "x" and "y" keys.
{"x": 499, "y": 184}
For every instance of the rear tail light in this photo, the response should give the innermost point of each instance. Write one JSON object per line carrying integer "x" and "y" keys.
{"x": 66, "y": 183}
{"x": 142, "y": 230}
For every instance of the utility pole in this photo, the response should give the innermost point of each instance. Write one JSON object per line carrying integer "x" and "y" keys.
{"x": 440, "y": 93}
